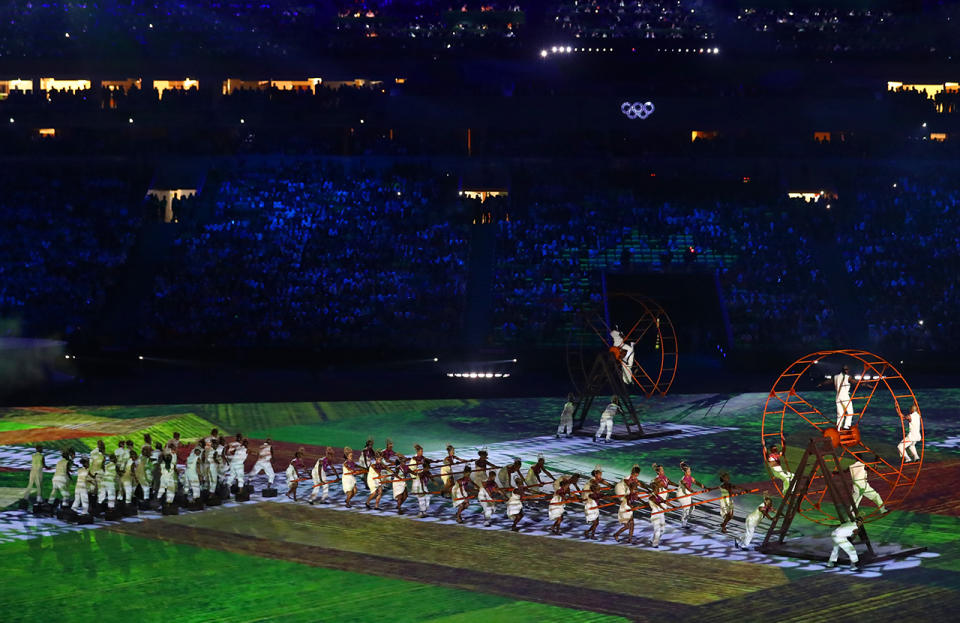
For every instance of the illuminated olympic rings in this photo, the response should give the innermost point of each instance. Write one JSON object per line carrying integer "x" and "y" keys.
{"x": 637, "y": 110}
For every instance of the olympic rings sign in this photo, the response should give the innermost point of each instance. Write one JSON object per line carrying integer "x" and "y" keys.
{"x": 637, "y": 110}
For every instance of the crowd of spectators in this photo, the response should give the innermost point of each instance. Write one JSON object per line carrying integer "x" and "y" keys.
{"x": 901, "y": 251}
{"x": 290, "y": 28}
{"x": 304, "y": 254}
{"x": 553, "y": 250}
{"x": 65, "y": 236}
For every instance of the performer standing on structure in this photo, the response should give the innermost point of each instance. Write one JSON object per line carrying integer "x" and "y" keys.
{"x": 775, "y": 463}
{"x": 862, "y": 488}
{"x": 107, "y": 482}
{"x": 912, "y": 437}
{"x": 566, "y": 417}
{"x": 841, "y": 540}
{"x": 841, "y": 386}
{"x": 61, "y": 476}
{"x": 37, "y": 465}
{"x": 192, "y": 475}
{"x": 753, "y": 520}
{"x": 606, "y": 419}
{"x": 81, "y": 496}
{"x": 624, "y": 354}
{"x": 264, "y": 462}
{"x": 685, "y": 493}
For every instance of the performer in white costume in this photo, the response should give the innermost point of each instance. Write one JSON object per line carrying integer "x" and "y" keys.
{"x": 81, "y": 494}
{"x": 606, "y": 419}
{"x": 753, "y": 520}
{"x": 37, "y": 465}
{"x": 914, "y": 434}
{"x": 264, "y": 462}
{"x": 841, "y": 541}
{"x": 192, "y": 475}
{"x": 775, "y": 463}
{"x": 862, "y": 488}
{"x": 566, "y": 417}
{"x": 624, "y": 352}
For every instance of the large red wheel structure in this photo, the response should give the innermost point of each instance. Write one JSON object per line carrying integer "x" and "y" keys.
{"x": 880, "y": 396}
{"x": 650, "y": 329}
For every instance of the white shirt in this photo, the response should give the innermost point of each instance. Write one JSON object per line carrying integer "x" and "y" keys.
{"x": 858, "y": 472}
{"x": 914, "y": 432}
{"x": 842, "y": 384}
{"x": 610, "y": 411}
{"x": 845, "y": 530}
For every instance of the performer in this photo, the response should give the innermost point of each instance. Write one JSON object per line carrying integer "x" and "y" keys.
{"x": 481, "y": 466}
{"x": 661, "y": 476}
{"x": 862, "y": 488}
{"x": 841, "y": 540}
{"x": 168, "y": 480}
{"x": 328, "y": 467}
{"x": 61, "y": 476}
{"x": 264, "y": 462}
{"x": 685, "y": 492}
{"x": 623, "y": 351}
{"x": 913, "y": 435}
{"x": 144, "y": 473}
{"x": 212, "y": 460}
{"x": 81, "y": 496}
{"x": 446, "y": 471}
{"x": 606, "y": 419}
{"x": 487, "y": 495}
{"x": 107, "y": 482}
{"x": 294, "y": 469}
{"x": 147, "y": 443}
{"x": 122, "y": 459}
{"x": 223, "y": 451}
{"x": 401, "y": 475}
{"x": 128, "y": 476}
{"x": 350, "y": 472}
{"x": 237, "y": 459}
{"x": 506, "y": 474}
{"x": 388, "y": 453}
{"x": 622, "y": 488}
{"x": 625, "y": 513}
{"x": 460, "y": 493}
{"x": 416, "y": 461}
{"x": 753, "y": 520}
{"x": 192, "y": 475}
{"x": 515, "y": 503}
{"x": 96, "y": 458}
{"x": 421, "y": 487}
{"x": 727, "y": 489}
{"x": 591, "y": 510}
{"x": 566, "y": 417}
{"x": 375, "y": 477}
{"x": 841, "y": 385}
{"x": 37, "y": 465}
{"x": 775, "y": 463}
{"x": 367, "y": 455}
{"x": 533, "y": 474}
{"x": 561, "y": 493}
{"x": 657, "y": 502}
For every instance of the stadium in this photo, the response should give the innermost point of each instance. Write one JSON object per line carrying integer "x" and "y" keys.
{"x": 572, "y": 310}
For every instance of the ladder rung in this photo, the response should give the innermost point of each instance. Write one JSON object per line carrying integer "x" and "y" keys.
{"x": 905, "y": 396}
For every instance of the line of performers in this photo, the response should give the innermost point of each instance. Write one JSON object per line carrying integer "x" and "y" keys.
{"x": 128, "y": 475}
{"x": 477, "y": 482}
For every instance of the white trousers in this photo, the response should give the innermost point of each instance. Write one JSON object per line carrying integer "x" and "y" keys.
{"x": 684, "y": 497}
{"x": 128, "y": 491}
{"x": 169, "y": 490}
{"x": 658, "y": 522}
{"x": 424, "y": 501}
{"x": 566, "y": 425}
{"x": 266, "y": 467}
{"x": 193, "y": 483}
{"x": 236, "y": 473}
{"x": 488, "y": 509}
{"x": 844, "y": 411}
{"x": 36, "y": 480}
{"x": 80, "y": 500}
{"x": 108, "y": 493}
{"x": 864, "y": 490}
{"x": 605, "y": 425}
{"x": 905, "y": 445}
{"x": 59, "y": 486}
{"x": 212, "y": 474}
{"x": 749, "y": 527}
{"x": 784, "y": 476}
{"x": 841, "y": 543}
